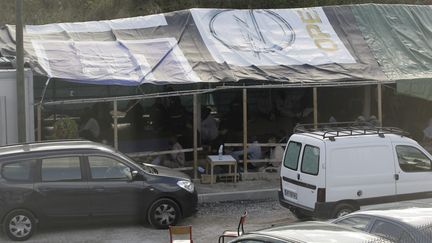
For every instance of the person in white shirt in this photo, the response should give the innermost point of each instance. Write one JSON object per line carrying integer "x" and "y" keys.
{"x": 175, "y": 159}
{"x": 89, "y": 126}
{"x": 253, "y": 152}
{"x": 209, "y": 127}
{"x": 427, "y": 132}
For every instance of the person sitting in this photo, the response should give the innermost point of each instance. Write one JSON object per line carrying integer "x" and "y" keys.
{"x": 175, "y": 159}
{"x": 276, "y": 153}
{"x": 253, "y": 153}
{"x": 89, "y": 128}
{"x": 427, "y": 133}
{"x": 209, "y": 127}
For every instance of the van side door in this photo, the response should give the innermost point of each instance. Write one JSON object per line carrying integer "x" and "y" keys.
{"x": 413, "y": 171}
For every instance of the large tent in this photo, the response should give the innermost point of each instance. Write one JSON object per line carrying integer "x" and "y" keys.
{"x": 319, "y": 46}
{"x": 322, "y": 44}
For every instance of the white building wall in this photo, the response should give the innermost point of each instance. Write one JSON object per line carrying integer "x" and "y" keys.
{"x": 9, "y": 109}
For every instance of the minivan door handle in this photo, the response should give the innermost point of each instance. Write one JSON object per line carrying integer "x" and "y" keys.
{"x": 396, "y": 176}
{"x": 298, "y": 176}
{"x": 99, "y": 189}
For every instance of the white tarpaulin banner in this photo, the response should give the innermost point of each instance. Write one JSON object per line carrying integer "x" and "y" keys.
{"x": 270, "y": 37}
{"x": 202, "y": 45}
{"x": 115, "y": 62}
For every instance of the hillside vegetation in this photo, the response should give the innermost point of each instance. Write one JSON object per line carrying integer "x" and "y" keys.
{"x": 50, "y": 11}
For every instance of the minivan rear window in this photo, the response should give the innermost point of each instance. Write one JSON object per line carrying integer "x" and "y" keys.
{"x": 18, "y": 171}
{"x": 292, "y": 155}
{"x": 310, "y": 160}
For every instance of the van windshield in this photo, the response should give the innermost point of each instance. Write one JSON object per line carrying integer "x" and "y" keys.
{"x": 292, "y": 155}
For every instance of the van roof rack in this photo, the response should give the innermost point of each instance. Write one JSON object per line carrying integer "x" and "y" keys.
{"x": 345, "y": 129}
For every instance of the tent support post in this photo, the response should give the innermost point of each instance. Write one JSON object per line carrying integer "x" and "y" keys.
{"x": 115, "y": 125}
{"x": 195, "y": 135}
{"x": 315, "y": 107}
{"x": 379, "y": 96}
{"x": 245, "y": 131}
{"x": 20, "y": 80}
{"x": 39, "y": 122}
{"x": 367, "y": 102}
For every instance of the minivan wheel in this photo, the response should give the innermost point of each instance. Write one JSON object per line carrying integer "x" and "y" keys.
{"x": 163, "y": 213}
{"x": 342, "y": 209}
{"x": 19, "y": 225}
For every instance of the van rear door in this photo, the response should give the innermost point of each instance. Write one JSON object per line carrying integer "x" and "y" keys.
{"x": 311, "y": 173}
{"x": 289, "y": 171}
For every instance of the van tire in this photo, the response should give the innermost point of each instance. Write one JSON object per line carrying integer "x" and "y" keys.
{"x": 342, "y": 209}
{"x": 19, "y": 225}
{"x": 299, "y": 214}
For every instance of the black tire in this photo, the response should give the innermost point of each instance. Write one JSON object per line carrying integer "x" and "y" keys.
{"x": 342, "y": 209}
{"x": 163, "y": 213}
{"x": 19, "y": 225}
{"x": 299, "y": 214}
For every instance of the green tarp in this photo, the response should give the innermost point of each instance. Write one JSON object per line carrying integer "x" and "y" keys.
{"x": 420, "y": 88}
{"x": 400, "y": 37}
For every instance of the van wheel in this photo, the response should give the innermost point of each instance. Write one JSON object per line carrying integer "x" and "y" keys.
{"x": 19, "y": 225}
{"x": 342, "y": 209}
{"x": 163, "y": 213}
{"x": 299, "y": 214}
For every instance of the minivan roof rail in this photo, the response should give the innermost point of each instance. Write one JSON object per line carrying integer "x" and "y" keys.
{"x": 345, "y": 129}
{"x": 46, "y": 141}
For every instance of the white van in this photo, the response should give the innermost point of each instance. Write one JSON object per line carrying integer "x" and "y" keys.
{"x": 330, "y": 173}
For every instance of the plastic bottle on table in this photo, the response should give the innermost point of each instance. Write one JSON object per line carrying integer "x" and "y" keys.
{"x": 220, "y": 152}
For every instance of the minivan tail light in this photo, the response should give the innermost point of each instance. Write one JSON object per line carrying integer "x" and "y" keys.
{"x": 321, "y": 195}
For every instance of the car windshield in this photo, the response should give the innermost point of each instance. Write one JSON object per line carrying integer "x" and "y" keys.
{"x": 144, "y": 166}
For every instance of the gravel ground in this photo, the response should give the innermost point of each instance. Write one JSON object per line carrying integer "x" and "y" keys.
{"x": 210, "y": 221}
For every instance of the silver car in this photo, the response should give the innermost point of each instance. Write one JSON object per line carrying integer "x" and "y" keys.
{"x": 409, "y": 225}
{"x": 310, "y": 232}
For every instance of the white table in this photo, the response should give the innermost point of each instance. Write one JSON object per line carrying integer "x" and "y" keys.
{"x": 214, "y": 160}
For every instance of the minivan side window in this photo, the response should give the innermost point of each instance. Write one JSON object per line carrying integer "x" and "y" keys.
{"x": 292, "y": 155}
{"x": 412, "y": 159}
{"x": 18, "y": 171}
{"x": 310, "y": 160}
{"x": 108, "y": 169}
{"x": 61, "y": 169}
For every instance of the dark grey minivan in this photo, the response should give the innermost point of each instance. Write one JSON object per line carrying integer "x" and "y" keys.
{"x": 43, "y": 182}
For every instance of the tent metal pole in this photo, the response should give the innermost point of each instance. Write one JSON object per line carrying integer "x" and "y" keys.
{"x": 20, "y": 80}
{"x": 245, "y": 131}
{"x": 379, "y": 96}
{"x": 39, "y": 122}
{"x": 115, "y": 125}
{"x": 367, "y": 101}
{"x": 315, "y": 106}
{"x": 195, "y": 135}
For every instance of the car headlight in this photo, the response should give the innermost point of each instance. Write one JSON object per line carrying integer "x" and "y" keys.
{"x": 187, "y": 185}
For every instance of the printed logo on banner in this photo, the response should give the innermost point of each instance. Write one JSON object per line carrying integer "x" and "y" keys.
{"x": 270, "y": 37}
{"x": 252, "y": 37}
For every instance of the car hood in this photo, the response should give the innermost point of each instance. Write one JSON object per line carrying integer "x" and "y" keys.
{"x": 165, "y": 171}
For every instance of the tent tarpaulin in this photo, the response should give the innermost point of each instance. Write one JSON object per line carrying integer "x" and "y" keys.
{"x": 356, "y": 43}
